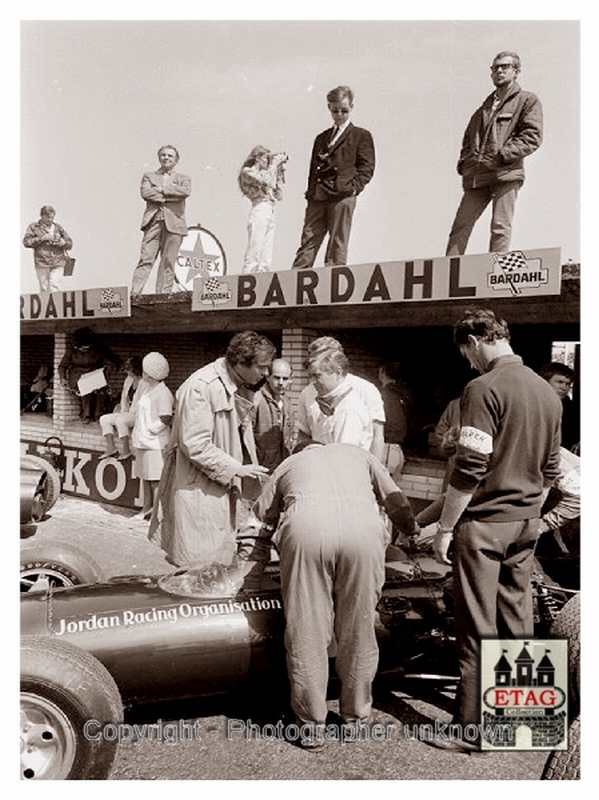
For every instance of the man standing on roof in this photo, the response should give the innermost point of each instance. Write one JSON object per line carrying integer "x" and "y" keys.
{"x": 342, "y": 164}
{"x": 501, "y": 133}
{"x": 163, "y": 223}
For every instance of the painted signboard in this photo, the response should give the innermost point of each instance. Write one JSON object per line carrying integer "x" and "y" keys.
{"x": 520, "y": 273}
{"x": 87, "y": 476}
{"x": 104, "y": 303}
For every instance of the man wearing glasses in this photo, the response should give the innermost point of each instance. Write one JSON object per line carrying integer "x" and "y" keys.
{"x": 342, "y": 164}
{"x": 506, "y": 128}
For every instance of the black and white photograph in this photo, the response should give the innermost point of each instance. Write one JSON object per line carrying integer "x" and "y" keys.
{"x": 300, "y": 394}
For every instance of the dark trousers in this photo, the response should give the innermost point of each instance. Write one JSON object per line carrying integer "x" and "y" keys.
{"x": 492, "y": 595}
{"x": 327, "y": 216}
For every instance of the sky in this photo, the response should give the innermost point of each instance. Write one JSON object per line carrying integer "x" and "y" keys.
{"x": 99, "y": 97}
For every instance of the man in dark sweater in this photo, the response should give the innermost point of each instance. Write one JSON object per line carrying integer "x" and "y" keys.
{"x": 507, "y": 459}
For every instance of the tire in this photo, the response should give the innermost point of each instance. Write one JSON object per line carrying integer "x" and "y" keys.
{"x": 62, "y": 687}
{"x": 567, "y": 626}
{"x": 57, "y": 565}
{"x": 564, "y": 765}
{"x": 52, "y": 485}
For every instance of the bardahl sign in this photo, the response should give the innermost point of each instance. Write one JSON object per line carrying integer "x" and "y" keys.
{"x": 111, "y": 301}
{"x": 518, "y": 273}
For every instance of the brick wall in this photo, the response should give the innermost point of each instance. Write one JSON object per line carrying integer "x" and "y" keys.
{"x": 185, "y": 353}
{"x": 422, "y": 478}
{"x": 35, "y": 351}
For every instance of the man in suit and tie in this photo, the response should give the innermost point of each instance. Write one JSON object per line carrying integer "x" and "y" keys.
{"x": 163, "y": 222}
{"x": 342, "y": 164}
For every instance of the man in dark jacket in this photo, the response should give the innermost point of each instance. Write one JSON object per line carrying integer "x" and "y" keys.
{"x": 273, "y": 417}
{"x": 507, "y": 459}
{"x": 50, "y": 243}
{"x": 506, "y": 128}
{"x": 342, "y": 164}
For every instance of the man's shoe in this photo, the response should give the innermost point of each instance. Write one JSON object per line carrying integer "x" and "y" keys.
{"x": 457, "y": 746}
{"x": 311, "y": 736}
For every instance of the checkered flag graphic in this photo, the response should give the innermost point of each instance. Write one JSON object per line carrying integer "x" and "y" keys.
{"x": 211, "y": 285}
{"x": 107, "y": 295}
{"x": 510, "y": 262}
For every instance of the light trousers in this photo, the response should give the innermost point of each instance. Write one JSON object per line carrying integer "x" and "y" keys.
{"x": 50, "y": 278}
{"x": 157, "y": 239}
{"x": 261, "y": 237}
{"x": 331, "y": 583}
{"x": 120, "y": 422}
{"x": 502, "y": 195}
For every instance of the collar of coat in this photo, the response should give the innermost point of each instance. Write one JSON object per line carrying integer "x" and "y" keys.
{"x": 220, "y": 367}
{"x": 514, "y": 90}
{"x": 341, "y": 136}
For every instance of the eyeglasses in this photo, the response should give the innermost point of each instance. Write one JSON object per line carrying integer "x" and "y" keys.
{"x": 503, "y": 67}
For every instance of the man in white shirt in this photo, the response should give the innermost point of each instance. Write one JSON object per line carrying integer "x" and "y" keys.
{"x": 365, "y": 391}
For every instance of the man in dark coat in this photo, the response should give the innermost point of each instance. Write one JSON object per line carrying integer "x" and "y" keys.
{"x": 342, "y": 164}
{"x": 501, "y": 133}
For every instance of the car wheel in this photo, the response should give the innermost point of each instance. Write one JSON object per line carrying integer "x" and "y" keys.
{"x": 567, "y": 626}
{"x": 57, "y": 565}
{"x": 52, "y": 484}
{"x": 565, "y": 764}
{"x": 62, "y": 689}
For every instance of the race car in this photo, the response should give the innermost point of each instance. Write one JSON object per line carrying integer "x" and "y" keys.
{"x": 87, "y": 651}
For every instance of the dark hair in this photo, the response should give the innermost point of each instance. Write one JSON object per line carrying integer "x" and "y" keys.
{"x": 547, "y": 371}
{"x": 340, "y": 93}
{"x": 83, "y": 336}
{"x": 482, "y": 323}
{"x": 134, "y": 365}
{"x": 167, "y": 147}
{"x": 247, "y": 347}
{"x": 45, "y": 209}
{"x": 303, "y": 444}
{"x": 514, "y": 56}
{"x": 392, "y": 370}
